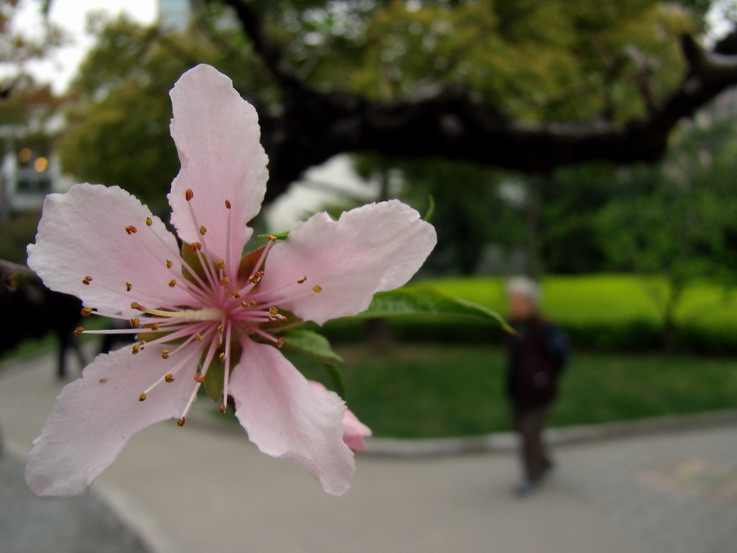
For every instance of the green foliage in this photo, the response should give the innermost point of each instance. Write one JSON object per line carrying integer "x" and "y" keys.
{"x": 603, "y": 312}
{"x": 449, "y": 390}
{"x": 17, "y": 232}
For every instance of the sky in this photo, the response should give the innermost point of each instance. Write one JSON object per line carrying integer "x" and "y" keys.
{"x": 71, "y": 15}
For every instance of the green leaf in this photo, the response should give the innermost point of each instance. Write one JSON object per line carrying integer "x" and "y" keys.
{"x": 317, "y": 347}
{"x": 424, "y": 300}
{"x": 430, "y": 208}
{"x": 278, "y": 235}
{"x": 214, "y": 381}
{"x": 311, "y": 343}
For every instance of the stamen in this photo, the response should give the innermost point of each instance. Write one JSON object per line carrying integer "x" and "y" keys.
{"x": 128, "y": 286}
{"x": 227, "y": 204}
{"x": 86, "y": 280}
{"x": 86, "y": 311}
{"x": 317, "y": 288}
{"x": 130, "y": 229}
{"x": 302, "y": 280}
{"x": 181, "y": 421}
{"x": 203, "y": 230}
{"x": 135, "y": 321}
{"x": 149, "y": 221}
{"x": 79, "y": 330}
{"x": 142, "y": 397}
{"x": 188, "y": 194}
{"x": 169, "y": 263}
{"x": 172, "y": 283}
{"x": 165, "y": 354}
{"x": 168, "y": 378}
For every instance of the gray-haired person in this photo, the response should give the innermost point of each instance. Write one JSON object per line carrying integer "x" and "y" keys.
{"x": 536, "y": 358}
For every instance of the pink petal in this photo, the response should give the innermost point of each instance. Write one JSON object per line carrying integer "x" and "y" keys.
{"x": 354, "y": 431}
{"x": 83, "y": 233}
{"x": 96, "y": 415}
{"x": 217, "y": 137}
{"x": 285, "y": 417}
{"x": 369, "y": 249}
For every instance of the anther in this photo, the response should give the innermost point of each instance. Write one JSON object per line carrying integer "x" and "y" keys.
{"x": 165, "y": 354}
{"x": 199, "y": 337}
{"x": 181, "y": 421}
{"x": 102, "y": 380}
{"x": 274, "y": 310}
{"x": 149, "y": 221}
{"x": 302, "y": 280}
{"x": 203, "y": 230}
{"x": 79, "y": 330}
{"x": 317, "y": 288}
{"x": 280, "y": 342}
{"x": 227, "y": 204}
{"x": 221, "y": 356}
{"x": 271, "y": 238}
{"x": 169, "y": 263}
{"x": 235, "y": 294}
{"x": 130, "y": 229}
{"x": 224, "y": 281}
{"x": 223, "y": 408}
{"x": 128, "y": 286}
{"x": 169, "y": 377}
{"x": 136, "y": 305}
{"x": 86, "y": 311}
{"x": 86, "y": 280}
{"x": 220, "y": 329}
{"x": 248, "y": 303}
{"x": 199, "y": 378}
{"x": 152, "y": 326}
{"x": 188, "y": 194}
{"x": 134, "y": 321}
{"x": 172, "y": 283}
{"x": 220, "y": 264}
{"x": 142, "y": 397}
{"x": 135, "y": 349}
{"x": 196, "y": 246}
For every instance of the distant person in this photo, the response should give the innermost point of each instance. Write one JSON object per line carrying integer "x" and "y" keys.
{"x": 536, "y": 358}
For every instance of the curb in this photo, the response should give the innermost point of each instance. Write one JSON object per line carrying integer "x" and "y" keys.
{"x": 505, "y": 442}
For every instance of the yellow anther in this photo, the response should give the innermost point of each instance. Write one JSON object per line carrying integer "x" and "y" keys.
{"x": 221, "y": 356}
{"x": 203, "y": 230}
{"x": 227, "y": 204}
{"x": 302, "y": 280}
{"x": 165, "y": 354}
{"x": 79, "y": 330}
{"x": 142, "y": 397}
{"x": 134, "y": 321}
{"x": 172, "y": 283}
{"x": 188, "y": 194}
{"x": 135, "y": 349}
{"x": 149, "y": 221}
{"x": 130, "y": 229}
{"x": 280, "y": 342}
{"x": 86, "y": 311}
{"x": 317, "y": 288}
{"x": 220, "y": 264}
{"x": 199, "y": 337}
{"x": 169, "y": 263}
{"x": 274, "y": 310}
{"x": 169, "y": 377}
{"x": 181, "y": 421}
{"x": 136, "y": 305}
{"x": 224, "y": 281}
{"x": 235, "y": 294}
{"x": 86, "y": 280}
{"x": 220, "y": 328}
{"x": 128, "y": 286}
{"x": 102, "y": 380}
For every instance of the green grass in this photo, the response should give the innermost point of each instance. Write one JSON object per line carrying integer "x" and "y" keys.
{"x": 433, "y": 391}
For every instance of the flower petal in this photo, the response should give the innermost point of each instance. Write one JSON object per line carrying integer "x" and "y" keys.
{"x": 83, "y": 233}
{"x": 217, "y": 137}
{"x": 285, "y": 417}
{"x": 369, "y": 249}
{"x": 354, "y": 431}
{"x": 96, "y": 415}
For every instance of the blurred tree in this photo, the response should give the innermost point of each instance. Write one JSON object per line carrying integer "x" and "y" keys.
{"x": 675, "y": 223}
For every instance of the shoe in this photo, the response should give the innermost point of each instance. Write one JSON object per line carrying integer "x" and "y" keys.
{"x": 525, "y": 488}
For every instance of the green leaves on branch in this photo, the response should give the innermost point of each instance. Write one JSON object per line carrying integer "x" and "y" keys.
{"x": 424, "y": 300}
{"x": 317, "y": 347}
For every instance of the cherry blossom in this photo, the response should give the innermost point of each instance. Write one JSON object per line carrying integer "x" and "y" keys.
{"x": 197, "y": 306}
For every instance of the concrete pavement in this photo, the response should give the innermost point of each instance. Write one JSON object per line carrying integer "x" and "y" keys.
{"x": 195, "y": 490}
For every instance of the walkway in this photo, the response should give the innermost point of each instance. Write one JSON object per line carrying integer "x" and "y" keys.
{"x": 193, "y": 490}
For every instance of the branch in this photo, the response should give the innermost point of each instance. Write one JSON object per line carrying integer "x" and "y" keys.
{"x": 315, "y": 125}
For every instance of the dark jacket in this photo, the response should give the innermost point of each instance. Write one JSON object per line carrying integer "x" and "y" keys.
{"x": 535, "y": 360}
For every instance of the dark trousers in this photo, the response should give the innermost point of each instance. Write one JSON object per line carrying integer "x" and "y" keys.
{"x": 529, "y": 422}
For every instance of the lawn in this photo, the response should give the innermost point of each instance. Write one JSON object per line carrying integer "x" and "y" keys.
{"x": 431, "y": 391}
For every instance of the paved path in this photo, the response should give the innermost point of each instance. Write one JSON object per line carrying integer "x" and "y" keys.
{"x": 193, "y": 490}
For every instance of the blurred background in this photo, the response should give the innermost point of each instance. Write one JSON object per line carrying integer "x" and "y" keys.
{"x": 591, "y": 145}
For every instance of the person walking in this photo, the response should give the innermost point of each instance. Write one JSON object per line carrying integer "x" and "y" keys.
{"x": 536, "y": 357}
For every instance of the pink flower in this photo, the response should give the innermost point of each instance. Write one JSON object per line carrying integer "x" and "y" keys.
{"x": 354, "y": 431}
{"x": 208, "y": 309}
